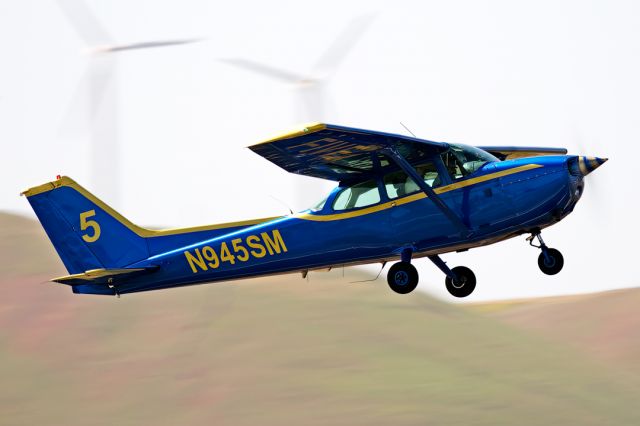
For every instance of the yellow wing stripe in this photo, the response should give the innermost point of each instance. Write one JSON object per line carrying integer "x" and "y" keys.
{"x": 140, "y": 231}
{"x": 415, "y": 197}
{"x": 300, "y": 131}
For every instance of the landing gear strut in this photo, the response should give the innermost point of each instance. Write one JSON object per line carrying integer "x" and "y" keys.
{"x": 460, "y": 281}
{"x": 403, "y": 277}
{"x": 550, "y": 260}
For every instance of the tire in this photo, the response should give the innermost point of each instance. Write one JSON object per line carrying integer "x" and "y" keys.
{"x": 555, "y": 263}
{"x": 402, "y": 277}
{"x": 466, "y": 285}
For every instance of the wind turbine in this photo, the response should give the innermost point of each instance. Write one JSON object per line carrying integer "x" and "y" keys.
{"x": 310, "y": 97}
{"x": 99, "y": 85}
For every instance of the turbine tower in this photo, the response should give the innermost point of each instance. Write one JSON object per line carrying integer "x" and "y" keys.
{"x": 99, "y": 86}
{"x": 310, "y": 98}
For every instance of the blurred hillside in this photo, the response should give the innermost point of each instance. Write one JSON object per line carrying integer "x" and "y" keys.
{"x": 282, "y": 350}
{"x": 604, "y": 325}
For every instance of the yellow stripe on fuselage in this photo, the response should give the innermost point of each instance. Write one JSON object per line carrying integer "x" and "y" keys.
{"x": 415, "y": 197}
{"x": 143, "y": 232}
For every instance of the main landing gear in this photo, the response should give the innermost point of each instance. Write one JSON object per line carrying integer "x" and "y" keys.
{"x": 550, "y": 260}
{"x": 403, "y": 277}
{"x": 460, "y": 281}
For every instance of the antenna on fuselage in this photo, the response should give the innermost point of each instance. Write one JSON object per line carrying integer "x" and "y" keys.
{"x": 283, "y": 203}
{"x": 407, "y": 129}
{"x": 367, "y": 281}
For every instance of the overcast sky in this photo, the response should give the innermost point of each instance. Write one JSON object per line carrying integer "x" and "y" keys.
{"x": 556, "y": 73}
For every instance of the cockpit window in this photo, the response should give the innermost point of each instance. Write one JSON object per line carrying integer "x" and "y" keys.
{"x": 462, "y": 160}
{"x": 399, "y": 184}
{"x": 359, "y": 195}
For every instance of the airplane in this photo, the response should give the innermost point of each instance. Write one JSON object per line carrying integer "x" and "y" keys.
{"x": 398, "y": 198}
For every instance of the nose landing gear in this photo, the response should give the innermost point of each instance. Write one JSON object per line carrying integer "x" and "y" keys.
{"x": 550, "y": 260}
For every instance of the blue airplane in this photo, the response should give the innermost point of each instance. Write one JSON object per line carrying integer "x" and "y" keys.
{"x": 398, "y": 198}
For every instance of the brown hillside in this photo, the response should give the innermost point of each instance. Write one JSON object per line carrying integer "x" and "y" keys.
{"x": 278, "y": 351}
{"x": 605, "y": 325}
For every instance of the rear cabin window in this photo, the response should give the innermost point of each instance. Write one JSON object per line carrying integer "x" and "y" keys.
{"x": 359, "y": 195}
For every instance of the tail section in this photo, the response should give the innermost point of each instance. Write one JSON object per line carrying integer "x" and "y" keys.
{"x": 86, "y": 233}
{"x": 97, "y": 245}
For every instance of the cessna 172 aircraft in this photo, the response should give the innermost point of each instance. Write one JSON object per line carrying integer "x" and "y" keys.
{"x": 398, "y": 198}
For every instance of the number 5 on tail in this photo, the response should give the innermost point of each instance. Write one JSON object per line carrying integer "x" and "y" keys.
{"x": 84, "y": 224}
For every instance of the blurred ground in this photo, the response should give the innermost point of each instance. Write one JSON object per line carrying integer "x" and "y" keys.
{"x": 286, "y": 351}
{"x": 603, "y": 325}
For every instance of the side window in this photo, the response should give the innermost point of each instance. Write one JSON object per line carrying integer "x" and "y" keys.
{"x": 453, "y": 165}
{"x": 399, "y": 184}
{"x": 360, "y": 195}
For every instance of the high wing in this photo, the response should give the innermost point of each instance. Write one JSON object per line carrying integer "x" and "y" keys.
{"x": 511, "y": 152}
{"x": 336, "y": 153}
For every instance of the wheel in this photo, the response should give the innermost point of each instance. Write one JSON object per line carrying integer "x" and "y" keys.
{"x": 466, "y": 282}
{"x": 552, "y": 263}
{"x": 402, "y": 277}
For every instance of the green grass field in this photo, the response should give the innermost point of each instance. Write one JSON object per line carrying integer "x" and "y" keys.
{"x": 280, "y": 350}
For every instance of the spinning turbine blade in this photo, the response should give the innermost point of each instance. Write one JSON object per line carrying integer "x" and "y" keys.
{"x": 309, "y": 85}
{"x": 84, "y": 22}
{"x": 98, "y": 85}
{"x": 144, "y": 45}
{"x": 101, "y": 102}
{"x": 266, "y": 70}
{"x": 309, "y": 88}
{"x": 342, "y": 45}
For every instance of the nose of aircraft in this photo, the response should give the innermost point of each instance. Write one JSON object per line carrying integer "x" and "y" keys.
{"x": 588, "y": 164}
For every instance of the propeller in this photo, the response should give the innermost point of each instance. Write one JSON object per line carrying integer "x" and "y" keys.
{"x": 95, "y": 99}
{"x": 592, "y": 183}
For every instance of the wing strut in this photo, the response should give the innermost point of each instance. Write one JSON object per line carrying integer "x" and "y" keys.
{"x": 408, "y": 169}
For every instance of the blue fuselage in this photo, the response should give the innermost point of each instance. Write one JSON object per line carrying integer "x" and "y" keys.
{"x": 498, "y": 201}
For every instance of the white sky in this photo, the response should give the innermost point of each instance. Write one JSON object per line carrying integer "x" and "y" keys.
{"x": 549, "y": 73}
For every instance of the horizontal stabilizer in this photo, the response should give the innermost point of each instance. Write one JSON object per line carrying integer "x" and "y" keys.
{"x": 103, "y": 276}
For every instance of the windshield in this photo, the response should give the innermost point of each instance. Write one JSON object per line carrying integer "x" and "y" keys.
{"x": 462, "y": 160}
